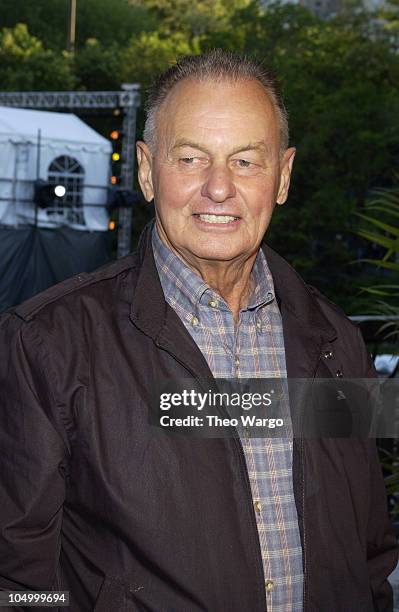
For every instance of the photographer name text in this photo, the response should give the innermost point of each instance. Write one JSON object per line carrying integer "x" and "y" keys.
{"x": 246, "y": 420}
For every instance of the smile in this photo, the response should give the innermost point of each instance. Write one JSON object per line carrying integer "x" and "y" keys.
{"x": 216, "y": 218}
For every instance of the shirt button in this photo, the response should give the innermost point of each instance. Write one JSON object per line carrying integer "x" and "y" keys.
{"x": 237, "y": 361}
{"x": 194, "y": 321}
{"x": 257, "y": 506}
{"x": 246, "y": 433}
{"x": 259, "y": 324}
{"x": 339, "y": 374}
{"x": 212, "y": 303}
{"x": 328, "y": 354}
{"x": 269, "y": 584}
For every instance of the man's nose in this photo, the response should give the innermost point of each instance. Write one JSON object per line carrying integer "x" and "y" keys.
{"x": 218, "y": 185}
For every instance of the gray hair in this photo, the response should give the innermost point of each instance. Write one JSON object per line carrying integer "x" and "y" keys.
{"x": 217, "y": 65}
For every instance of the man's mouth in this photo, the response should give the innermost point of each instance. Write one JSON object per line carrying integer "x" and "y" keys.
{"x": 216, "y": 218}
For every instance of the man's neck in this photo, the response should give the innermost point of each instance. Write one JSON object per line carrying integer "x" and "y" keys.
{"x": 234, "y": 283}
{"x": 232, "y": 280}
{"x": 235, "y": 290}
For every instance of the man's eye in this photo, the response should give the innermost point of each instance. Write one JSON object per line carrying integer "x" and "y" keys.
{"x": 243, "y": 163}
{"x": 188, "y": 160}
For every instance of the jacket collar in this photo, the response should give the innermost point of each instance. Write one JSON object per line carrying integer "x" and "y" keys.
{"x": 305, "y": 327}
{"x": 152, "y": 314}
{"x": 296, "y": 296}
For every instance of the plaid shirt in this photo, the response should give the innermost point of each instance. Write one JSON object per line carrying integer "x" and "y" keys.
{"x": 255, "y": 349}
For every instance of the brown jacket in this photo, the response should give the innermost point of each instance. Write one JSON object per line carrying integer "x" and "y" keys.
{"x": 94, "y": 500}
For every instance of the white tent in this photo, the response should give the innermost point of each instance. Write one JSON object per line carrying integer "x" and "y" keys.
{"x": 59, "y": 148}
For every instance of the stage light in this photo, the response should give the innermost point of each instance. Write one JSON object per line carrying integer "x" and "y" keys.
{"x": 46, "y": 194}
{"x": 59, "y": 191}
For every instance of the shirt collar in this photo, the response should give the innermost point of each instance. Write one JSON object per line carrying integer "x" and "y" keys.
{"x": 184, "y": 285}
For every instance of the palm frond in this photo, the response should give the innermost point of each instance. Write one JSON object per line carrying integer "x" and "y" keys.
{"x": 380, "y": 263}
{"x": 384, "y": 226}
{"x": 384, "y": 241}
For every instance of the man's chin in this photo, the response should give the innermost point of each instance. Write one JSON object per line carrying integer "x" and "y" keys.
{"x": 216, "y": 255}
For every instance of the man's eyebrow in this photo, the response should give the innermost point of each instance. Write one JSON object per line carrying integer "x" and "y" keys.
{"x": 183, "y": 142}
{"x": 259, "y": 145}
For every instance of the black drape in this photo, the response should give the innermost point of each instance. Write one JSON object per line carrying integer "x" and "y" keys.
{"x": 32, "y": 259}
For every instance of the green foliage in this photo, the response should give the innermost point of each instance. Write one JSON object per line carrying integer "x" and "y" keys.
{"x": 380, "y": 226}
{"x": 98, "y": 67}
{"x": 192, "y": 18}
{"x": 109, "y": 21}
{"x": 340, "y": 79}
{"x": 389, "y": 16}
{"x": 112, "y": 22}
{"x": 340, "y": 87}
{"x": 46, "y": 18}
{"x": 151, "y": 53}
{"x": 26, "y": 65}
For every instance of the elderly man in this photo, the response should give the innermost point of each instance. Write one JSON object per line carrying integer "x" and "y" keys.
{"x": 97, "y": 501}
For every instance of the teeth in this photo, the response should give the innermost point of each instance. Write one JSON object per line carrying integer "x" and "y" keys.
{"x": 217, "y": 218}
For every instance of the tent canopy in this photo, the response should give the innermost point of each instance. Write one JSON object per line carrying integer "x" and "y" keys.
{"x": 69, "y": 153}
{"x": 20, "y": 124}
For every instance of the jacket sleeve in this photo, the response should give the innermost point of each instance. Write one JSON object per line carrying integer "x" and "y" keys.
{"x": 33, "y": 463}
{"x": 382, "y": 546}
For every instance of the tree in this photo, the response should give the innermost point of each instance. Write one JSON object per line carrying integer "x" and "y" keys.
{"x": 380, "y": 228}
{"x": 99, "y": 67}
{"x": 341, "y": 90}
{"x": 109, "y": 21}
{"x": 150, "y": 53}
{"x": 192, "y": 18}
{"x": 25, "y": 65}
{"x": 340, "y": 79}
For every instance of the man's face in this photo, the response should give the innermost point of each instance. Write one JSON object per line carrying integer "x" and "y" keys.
{"x": 216, "y": 173}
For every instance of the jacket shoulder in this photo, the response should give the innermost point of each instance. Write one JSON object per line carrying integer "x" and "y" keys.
{"x": 350, "y": 337}
{"x": 85, "y": 281}
{"x": 308, "y": 302}
{"x": 332, "y": 311}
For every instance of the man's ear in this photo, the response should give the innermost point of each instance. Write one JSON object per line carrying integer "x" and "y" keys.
{"x": 285, "y": 175}
{"x": 144, "y": 162}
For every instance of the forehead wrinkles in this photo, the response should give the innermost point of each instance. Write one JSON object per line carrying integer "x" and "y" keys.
{"x": 210, "y": 134}
{"x": 211, "y": 109}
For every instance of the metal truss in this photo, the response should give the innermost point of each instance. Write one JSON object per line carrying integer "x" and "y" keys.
{"x": 73, "y": 99}
{"x": 128, "y": 99}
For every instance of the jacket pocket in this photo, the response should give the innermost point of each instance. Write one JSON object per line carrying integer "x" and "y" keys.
{"x": 112, "y": 596}
{"x": 116, "y": 595}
